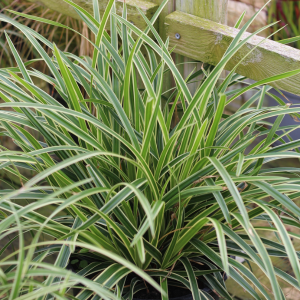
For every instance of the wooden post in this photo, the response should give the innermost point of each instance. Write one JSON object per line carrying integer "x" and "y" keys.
{"x": 170, "y": 7}
{"x": 214, "y": 10}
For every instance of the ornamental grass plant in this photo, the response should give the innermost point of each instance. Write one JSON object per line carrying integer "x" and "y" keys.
{"x": 123, "y": 201}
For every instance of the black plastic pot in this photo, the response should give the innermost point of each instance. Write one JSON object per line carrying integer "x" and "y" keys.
{"x": 187, "y": 297}
{"x": 174, "y": 290}
{"x": 181, "y": 294}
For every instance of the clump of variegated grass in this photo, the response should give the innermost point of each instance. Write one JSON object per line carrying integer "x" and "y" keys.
{"x": 130, "y": 191}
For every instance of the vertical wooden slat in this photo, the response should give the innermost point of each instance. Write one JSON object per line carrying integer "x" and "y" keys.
{"x": 170, "y": 7}
{"x": 215, "y": 10}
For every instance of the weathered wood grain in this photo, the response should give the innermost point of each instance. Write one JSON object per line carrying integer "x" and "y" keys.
{"x": 170, "y": 7}
{"x": 206, "y": 41}
{"x": 215, "y": 10}
{"x": 147, "y": 7}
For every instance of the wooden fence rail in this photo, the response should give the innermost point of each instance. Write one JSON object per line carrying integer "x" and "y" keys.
{"x": 207, "y": 41}
{"x": 197, "y": 30}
